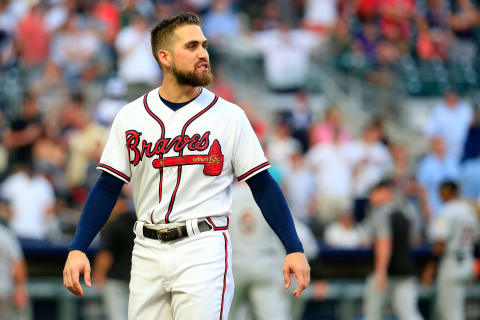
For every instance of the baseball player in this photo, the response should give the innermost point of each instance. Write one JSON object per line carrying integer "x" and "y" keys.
{"x": 453, "y": 234}
{"x": 253, "y": 240}
{"x": 393, "y": 227}
{"x": 181, "y": 147}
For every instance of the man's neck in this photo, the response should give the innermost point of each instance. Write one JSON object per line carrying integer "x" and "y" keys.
{"x": 174, "y": 92}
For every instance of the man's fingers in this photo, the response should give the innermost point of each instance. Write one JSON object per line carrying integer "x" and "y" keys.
{"x": 76, "y": 283}
{"x": 307, "y": 277}
{"x": 86, "y": 277}
{"x": 301, "y": 280}
{"x": 286, "y": 277}
{"x": 66, "y": 279}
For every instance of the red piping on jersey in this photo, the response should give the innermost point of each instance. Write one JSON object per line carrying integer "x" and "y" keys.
{"x": 124, "y": 176}
{"x": 179, "y": 175}
{"x": 246, "y": 174}
{"x": 224, "y": 274}
{"x": 154, "y": 116}
{"x": 218, "y": 228}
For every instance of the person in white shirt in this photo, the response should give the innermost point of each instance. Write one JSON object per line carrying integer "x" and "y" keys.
{"x": 371, "y": 161}
{"x": 332, "y": 165}
{"x": 136, "y": 64}
{"x": 344, "y": 233}
{"x": 32, "y": 201}
{"x": 450, "y": 120}
{"x": 286, "y": 54}
{"x": 320, "y": 15}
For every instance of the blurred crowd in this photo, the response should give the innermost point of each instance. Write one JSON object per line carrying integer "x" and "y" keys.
{"x": 328, "y": 172}
{"x": 69, "y": 66}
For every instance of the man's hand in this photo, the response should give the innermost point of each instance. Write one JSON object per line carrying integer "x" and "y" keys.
{"x": 77, "y": 263}
{"x": 297, "y": 264}
{"x": 20, "y": 297}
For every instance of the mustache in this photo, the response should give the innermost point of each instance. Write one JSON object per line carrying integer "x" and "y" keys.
{"x": 201, "y": 62}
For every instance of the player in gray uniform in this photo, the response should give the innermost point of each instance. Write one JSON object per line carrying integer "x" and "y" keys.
{"x": 254, "y": 241}
{"x": 392, "y": 227}
{"x": 453, "y": 233}
{"x": 13, "y": 277}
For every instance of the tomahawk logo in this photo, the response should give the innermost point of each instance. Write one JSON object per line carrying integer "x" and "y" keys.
{"x": 213, "y": 161}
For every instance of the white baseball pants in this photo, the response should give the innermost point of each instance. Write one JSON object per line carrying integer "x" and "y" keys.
{"x": 186, "y": 279}
{"x": 453, "y": 278}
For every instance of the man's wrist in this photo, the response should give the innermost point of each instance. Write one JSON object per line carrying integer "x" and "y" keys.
{"x": 294, "y": 250}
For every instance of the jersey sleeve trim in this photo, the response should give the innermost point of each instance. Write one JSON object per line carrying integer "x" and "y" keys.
{"x": 253, "y": 171}
{"x": 114, "y": 172}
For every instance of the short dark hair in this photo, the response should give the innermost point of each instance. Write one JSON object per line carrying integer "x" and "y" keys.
{"x": 450, "y": 186}
{"x": 386, "y": 183}
{"x": 162, "y": 32}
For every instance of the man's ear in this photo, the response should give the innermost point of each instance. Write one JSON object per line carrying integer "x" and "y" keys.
{"x": 164, "y": 56}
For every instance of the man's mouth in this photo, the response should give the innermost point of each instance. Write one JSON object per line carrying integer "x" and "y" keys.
{"x": 203, "y": 66}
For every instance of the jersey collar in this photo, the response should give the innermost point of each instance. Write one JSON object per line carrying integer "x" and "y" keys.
{"x": 158, "y": 107}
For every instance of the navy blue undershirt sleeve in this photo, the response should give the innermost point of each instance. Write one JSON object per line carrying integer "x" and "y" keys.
{"x": 97, "y": 209}
{"x": 272, "y": 203}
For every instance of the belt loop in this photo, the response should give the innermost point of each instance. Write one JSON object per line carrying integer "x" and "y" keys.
{"x": 138, "y": 229}
{"x": 189, "y": 226}
{"x": 196, "y": 231}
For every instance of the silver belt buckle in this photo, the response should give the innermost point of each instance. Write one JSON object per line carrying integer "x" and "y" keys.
{"x": 168, "y": 230}
{"x": 162, "y": 231}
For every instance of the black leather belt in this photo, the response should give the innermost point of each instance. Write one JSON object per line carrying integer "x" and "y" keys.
{"x": 173, "y": 233}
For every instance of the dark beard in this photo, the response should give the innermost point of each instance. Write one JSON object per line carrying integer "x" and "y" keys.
{"x": 190, "y": 78}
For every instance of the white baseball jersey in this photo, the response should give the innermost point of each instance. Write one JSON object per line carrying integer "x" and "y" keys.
{"x": 456, "y": 225}
{"x": 181, "y": 164}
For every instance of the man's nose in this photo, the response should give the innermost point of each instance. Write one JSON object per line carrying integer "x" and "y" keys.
{"x": 203, "y": 53}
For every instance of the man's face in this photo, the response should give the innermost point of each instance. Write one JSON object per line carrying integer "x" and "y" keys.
{"x": 190, "y": 60}
{"x": 381, "y": 196}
